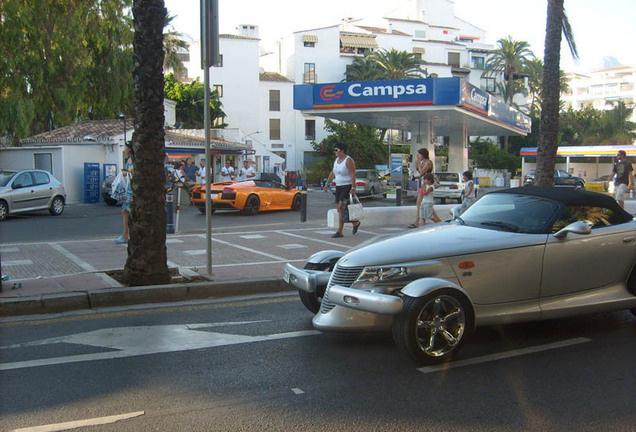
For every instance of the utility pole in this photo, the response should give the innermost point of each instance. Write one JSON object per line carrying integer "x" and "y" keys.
{"x": 209, "y": 57}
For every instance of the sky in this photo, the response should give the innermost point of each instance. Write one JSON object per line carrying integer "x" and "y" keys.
{"x": 601, "y": 29}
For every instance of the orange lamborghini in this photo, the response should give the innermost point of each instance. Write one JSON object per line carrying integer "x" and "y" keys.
{"x": 249, "y": 197}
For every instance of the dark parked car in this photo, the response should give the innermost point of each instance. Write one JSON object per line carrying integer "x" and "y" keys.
{"x": 106, "y": 190}
{"x": 561, "y": 179}
{"x": 30, "y": 190}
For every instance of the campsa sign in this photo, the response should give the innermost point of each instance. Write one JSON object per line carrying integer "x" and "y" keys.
{"x": 374, "y": 93}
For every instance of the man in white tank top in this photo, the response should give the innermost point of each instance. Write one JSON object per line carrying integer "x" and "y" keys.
{"x": 344, "y": 174}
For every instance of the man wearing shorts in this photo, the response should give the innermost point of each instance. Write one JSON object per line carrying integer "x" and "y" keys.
{"x": 624, "y": 173}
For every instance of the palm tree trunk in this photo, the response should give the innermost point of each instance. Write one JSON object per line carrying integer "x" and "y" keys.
{"x": 147, "y": 255}
{"x": 548, "y": 135}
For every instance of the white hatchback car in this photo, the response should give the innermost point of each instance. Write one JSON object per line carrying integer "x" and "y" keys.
{"x": 450, "y": 186}
{"x": 30, "y": 190}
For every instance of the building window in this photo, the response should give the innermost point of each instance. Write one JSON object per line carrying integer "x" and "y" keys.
{"x": 453, "y": 59}
{"x": 420, "y": 34}
{"x": 274, "y": 100}
{"x": 274, "y": 129}
{"x": 218, "y": 88}
{"x": 220, "y": 63}
{"x": 488, "y": 84}
{"x": 309, "y": 75}
{"x": 309, "y": 41}
{"x": 218, "y": 122}
{"x": 310, "y": 129}
{"x": 478, "y": 62}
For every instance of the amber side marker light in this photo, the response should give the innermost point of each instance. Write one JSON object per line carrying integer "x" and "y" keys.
{"x": 466, "y": 265}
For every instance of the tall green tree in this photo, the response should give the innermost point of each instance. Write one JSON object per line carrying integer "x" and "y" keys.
{"x": 396, "y": 64}
{"x": 61, "y": 60}
{"x": 190, "y": 98}
{"x": 174, "y": 44}
{"x": 615, "y": 126}
{"x": 364, "y": 142}
{"x": 557, "y": 25}
{"x": 508, "y": 59}
{"x": 147, "y": 256}
{"x": 363, "y": 69}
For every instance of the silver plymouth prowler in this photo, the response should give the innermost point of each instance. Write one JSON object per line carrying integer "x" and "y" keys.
{"x": 519, "y": 254}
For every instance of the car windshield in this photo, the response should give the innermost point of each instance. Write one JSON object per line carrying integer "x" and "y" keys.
{"x": 511, "y": 212}
{"x": 5, "y": 176}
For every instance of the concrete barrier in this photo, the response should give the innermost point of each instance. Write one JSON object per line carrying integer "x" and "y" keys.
{"x": 383, "y": 216}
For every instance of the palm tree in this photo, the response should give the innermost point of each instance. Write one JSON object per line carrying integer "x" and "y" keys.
{"x": 147, "y": 256}
{"x": 173, "y": 45}
{"x": 557, "y": 25}
{"x": 396, "y": 64}
{"x": 615, "y": 127}
{"x": 509, "y": 59}
{"x": 363, "y": 69}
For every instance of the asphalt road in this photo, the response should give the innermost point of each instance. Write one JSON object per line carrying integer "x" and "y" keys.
{"x": 92, "y": 221}
{"x": 257, "y": 365}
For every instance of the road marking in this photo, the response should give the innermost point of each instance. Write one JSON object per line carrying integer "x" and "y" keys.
{"x": 10, "y": 249}
{"x": 137, "y": 341}
{"x": 503, "y": 355}
{"x": 173, "y": 240}
{"x": 77, "y": 260}
{"x": 195, "y": 252}
{"x": 249, "y": 250}
{"x": 253, "y": 236}
{"x": 17, "y": 262}
{"x": 297, "y": 391}
{"x": 292, "y": 246}
{"x": 81, "y": 423}
{"x": 313, "y": 239}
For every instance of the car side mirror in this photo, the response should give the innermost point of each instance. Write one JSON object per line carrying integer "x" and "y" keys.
{"x": 17, "y": 186}
{"x": 578, "y": 227}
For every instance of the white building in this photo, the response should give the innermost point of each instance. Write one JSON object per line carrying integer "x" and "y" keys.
{"x": 257, "y": 101}
{"x": 599, "y": 89}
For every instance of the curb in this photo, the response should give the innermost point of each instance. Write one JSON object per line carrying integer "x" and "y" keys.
{"x": 128, "y": 296}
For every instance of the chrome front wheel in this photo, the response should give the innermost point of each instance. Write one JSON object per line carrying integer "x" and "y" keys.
{"x": 433, "y": 328}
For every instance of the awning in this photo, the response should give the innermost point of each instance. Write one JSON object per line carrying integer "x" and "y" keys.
{"x": 310, "y": 38}
{"x": 358, "y": 41}
{"x": 419, "y": 50}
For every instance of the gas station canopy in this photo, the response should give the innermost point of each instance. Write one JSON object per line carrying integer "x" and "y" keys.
{"x": 443, "y": 106}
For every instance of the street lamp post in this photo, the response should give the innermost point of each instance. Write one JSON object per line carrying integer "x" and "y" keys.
{"x": 123, "y": 117}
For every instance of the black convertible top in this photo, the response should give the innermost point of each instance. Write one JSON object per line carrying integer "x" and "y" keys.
{"x": 569, "y": 196}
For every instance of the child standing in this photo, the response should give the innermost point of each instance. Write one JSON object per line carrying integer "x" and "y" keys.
{"x": 426, "y": 208}
{"x": 470, "y": 195}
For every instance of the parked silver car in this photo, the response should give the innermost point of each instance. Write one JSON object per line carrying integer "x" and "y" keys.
{"x": 521, "y": 254}
{"x": 368, "y": 183}
{"x": 30, "y": 190}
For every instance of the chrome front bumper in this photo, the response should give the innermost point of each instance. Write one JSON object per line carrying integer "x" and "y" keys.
{"x": 366, "y": 301}
{"x": 305, "y": 280}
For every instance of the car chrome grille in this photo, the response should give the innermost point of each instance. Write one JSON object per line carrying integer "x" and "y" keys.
{"x": 343, "y": 276}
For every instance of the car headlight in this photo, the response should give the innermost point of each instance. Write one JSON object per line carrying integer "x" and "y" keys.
{"x": 381, "y": 274}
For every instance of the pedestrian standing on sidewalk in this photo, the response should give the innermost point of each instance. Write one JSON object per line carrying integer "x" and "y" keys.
{"x": 201, "y": 172}
{"x": 624, "y": 173}
{"x": 427, "y": 209}
{"x": 126, "y": 171}
{"x": 247, "y": 172}
{"x": 424, "y": 165}
{"x": 190, "y": 170}
{"x": 344, "y": 174}
{"x": 469, "y": 193}
{"x": 227, "y": 172}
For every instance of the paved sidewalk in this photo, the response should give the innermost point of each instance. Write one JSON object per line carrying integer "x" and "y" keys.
{"x": 63, "y": 276}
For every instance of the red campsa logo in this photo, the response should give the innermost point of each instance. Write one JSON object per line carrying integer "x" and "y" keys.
{"x": 327, "y": 93}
